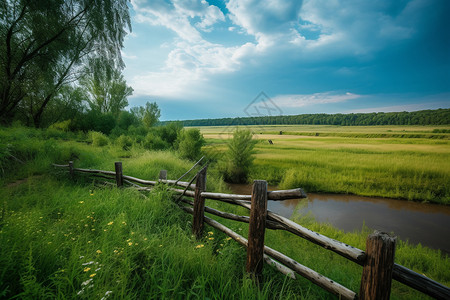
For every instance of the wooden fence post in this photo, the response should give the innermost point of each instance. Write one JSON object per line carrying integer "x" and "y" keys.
{"x": 163, "y": 174}
{"x": 377, "y": 271}
{"x": 71, "y": 172}
{"x": 119, "y": 174}
{"x": 257, "y": 226}
{"x": 199, "y": 204}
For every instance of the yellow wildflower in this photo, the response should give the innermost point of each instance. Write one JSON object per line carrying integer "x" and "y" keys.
{"x": 81, "y": 202}
{"x": 228, "y": 238}
{"x": 210, "y": 238}
{"x": 160, "y": 245}
{"x": 110, "y": 223}
{"x": 92, "y": 275}
{"x": 130, "y": 243}
{"x": 199, "y": 246}
{"x": 92, "y": 194}
{"x": 99, "y": 251}
{"x": 89, "y": 242}
{"x": 86, "y": 269}
{"x": 210, "y": 233}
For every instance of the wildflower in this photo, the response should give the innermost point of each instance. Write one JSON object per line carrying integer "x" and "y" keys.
{"x": 81, "y": 257}
{"x": 199, "y": 246}
{"x": 132, "y": 232}
{"x": 124, "y": 223}
{"x": 105, "y": 229}
{"x": 210, "y": 233}
{"x": 92, "y": 275}
{"x": 89, "y": 242}
{"x": 136, "y": 244}
{"x": 210, "y": 238}
{"x": 86, "y": 269}
{"x": 228, "y": 238}
{"x": 99, "y": 251}
{"x": 92, "y": 194}
{"x": 106, "y": 295}
{"x": 88, "y": 263}
{"x": 160, "y": 246}
{"x": 110, "y": 223}
{"x": 115, "y": 251}
{"x": 81, "y": 202}
{"x": 96, "y": 270}
{"x": 145, "y": 239}
{"x": 130, "y": 243}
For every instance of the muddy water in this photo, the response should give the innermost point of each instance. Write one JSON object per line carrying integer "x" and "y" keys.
{"x": 428, "y": 224}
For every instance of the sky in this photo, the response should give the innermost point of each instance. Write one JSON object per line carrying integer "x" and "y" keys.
{"x": 221, "y": 58}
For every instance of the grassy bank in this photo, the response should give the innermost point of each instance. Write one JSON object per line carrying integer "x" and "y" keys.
{"x": 351, "y": 159}
{"x": 65, "y": 239}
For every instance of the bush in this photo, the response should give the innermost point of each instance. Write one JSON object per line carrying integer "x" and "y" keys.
{"x": 124, "y": 142}
{"x": 153, "y": 141}
{"x": 190, "y": 142}
{"x": 98, "y": 138}
{"x": 239, "y": 157}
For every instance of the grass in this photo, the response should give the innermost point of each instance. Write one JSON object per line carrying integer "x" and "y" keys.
{"x": 63, "y": 239}
{"x": 352, "y": 160}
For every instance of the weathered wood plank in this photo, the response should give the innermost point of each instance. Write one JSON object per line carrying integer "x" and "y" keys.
{"x": 256, "y": 229}
{"x": 286, "y": 194}
{"x": 376, "y": 277}
{"x": 420, "y": 282}
{"x": 199, "y": 204}
{"x": 119, "y": 174}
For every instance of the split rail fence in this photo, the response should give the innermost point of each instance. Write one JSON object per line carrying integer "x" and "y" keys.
{"x": 377, "y": 261}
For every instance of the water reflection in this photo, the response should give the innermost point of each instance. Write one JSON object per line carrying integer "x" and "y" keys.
{"x": 428, "y": 224}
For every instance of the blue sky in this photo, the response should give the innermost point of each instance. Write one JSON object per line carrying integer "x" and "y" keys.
{"x": 211, "y": 58}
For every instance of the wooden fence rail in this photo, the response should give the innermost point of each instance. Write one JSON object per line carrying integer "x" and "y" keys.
{"x": 378, "y": 261}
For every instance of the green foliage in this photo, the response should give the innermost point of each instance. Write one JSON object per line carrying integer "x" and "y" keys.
{"x": 189, "y": 143}
{"x": 63, "y": 125}
{"x": 44, "y": 44}
{"x": 105, "y": 87}
{"x": 124, "y": 142}
{"x": 153, "y": 141}
{"x": 148, "y": 115}
{"x": 239, "y": 157}
{"x": 98, "y": 138}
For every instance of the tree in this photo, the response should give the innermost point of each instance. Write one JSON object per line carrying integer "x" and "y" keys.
{"x": 105, "y": 87}
{"x": 239, "y": 156}
{"x": 148, "y": 115}
{"x": 43, "y": 43}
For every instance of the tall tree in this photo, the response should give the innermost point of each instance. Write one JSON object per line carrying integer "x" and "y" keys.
{"x": 106, "y": 89}
{"x": 44, "y": 42}
{"x": 148, "y": 115}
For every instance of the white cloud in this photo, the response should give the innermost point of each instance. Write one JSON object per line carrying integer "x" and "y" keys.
{"x": 127, "y": 56}
{"x": 313, "y": 99}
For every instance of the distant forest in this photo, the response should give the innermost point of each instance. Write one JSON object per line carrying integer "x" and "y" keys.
{"x": 422, "y": 117}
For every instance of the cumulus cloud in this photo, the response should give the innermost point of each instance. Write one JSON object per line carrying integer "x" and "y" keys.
{"x": 271, "y": 30}
{"x": 313, "y": 99}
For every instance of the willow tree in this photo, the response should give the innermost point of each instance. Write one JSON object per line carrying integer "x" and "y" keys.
{"x": 44, "y": 43}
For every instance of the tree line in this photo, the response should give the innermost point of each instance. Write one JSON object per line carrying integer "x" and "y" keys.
{"x": 422, "y": 117}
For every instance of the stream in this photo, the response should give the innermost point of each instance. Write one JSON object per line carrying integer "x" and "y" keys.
{"x": 427, "y": 224}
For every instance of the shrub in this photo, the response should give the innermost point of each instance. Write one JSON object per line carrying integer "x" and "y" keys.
{"x": 98, "y": 138}
{"x": 239, "y": 157}
{"x": 153, "y": 141}
{"x": 124, "y": 142}
{"x": 190, "y": 142}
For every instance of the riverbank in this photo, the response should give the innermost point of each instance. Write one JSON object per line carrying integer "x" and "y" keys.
{"x": 416, "y": 169}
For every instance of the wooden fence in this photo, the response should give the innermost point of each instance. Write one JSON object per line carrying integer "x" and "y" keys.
{"x": 377, "y": 261}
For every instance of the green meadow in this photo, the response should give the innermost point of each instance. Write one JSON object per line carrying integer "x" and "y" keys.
{"x": 76, "y": 239}
{"x": 405, "y": 162}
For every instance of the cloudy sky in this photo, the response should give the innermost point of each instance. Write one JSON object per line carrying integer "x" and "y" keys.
{"x": 212, "y": 58}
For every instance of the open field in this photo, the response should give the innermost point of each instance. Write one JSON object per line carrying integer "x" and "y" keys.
{"x": 65, "y": 240}
{"x": 409, "y": 162}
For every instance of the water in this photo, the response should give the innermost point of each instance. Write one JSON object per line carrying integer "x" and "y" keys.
{"x": 428, "y": 224}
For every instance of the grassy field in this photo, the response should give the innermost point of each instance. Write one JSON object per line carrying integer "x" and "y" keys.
{"x": 407, "y": 162}
{"x": 64, "y": 240}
